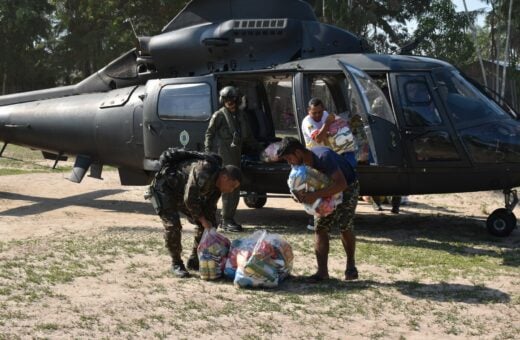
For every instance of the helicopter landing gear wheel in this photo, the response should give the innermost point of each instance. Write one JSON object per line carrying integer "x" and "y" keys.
{"x": 502, "y": 221}
{"x": 255, "y": 200}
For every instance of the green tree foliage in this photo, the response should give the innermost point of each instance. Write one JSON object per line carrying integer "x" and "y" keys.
{"x": 502, "y": 11}
{"x": 383, "y": 23}
{"x": 60, "y": 42}
{"x": 91, "y": 33}
{"x": 446, "y": 34}
{"x": 25, "y": 59}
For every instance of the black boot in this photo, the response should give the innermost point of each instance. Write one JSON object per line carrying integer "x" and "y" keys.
{"x": 396, "y": 203}
{"x": 232, "y": 226}
{"x": 179, "y": 270}
{"x": 351, "y": 274}
{"x": 193, "y": 262}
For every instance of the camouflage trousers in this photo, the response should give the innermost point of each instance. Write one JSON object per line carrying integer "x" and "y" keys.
{"x": 173, "y": 236}
{"x": 169, "y": 210}
{"x": 343, "y": 215}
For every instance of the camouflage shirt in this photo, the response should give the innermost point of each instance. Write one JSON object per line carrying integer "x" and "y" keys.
{"x": 190, "y": 187}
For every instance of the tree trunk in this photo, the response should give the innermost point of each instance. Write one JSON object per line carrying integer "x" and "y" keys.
{"x": 506, "y": 52}
{"x": 477, "y": 47}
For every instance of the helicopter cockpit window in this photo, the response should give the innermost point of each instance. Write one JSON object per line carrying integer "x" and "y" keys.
{"x": 463, "y": 101}
{"x": 185, "y": 101}
{"x": 490, "y": 134}
{"x": 416, "y": 100}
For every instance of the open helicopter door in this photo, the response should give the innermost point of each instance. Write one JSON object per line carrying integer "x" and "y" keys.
{"x": 380, "y": 153}
{"x": 176, "y": 114}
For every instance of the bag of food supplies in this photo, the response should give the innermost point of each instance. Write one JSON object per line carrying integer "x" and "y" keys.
{"x": 259, "y": 260}
{"x": 308, "y": 179}
{"x": 212, "y": 252}
{"x": 340, "y": 137}
{"x": 270, "y": 153}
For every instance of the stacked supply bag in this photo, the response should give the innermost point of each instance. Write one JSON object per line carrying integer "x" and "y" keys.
{"x": 259, "y": 260}
{"x": 308, "y": 179}
{"x": 212, "y": 252}
{"x": 340, "y": 137}
{"x": 270, "y": 153}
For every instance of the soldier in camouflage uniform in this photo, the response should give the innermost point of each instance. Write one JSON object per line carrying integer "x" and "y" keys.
{"x": 190, "y": 184}
{"x": 343, "y": 179}
{"x": 230, "y": 126}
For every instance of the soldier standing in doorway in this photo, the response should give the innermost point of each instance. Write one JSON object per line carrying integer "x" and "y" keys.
{"x": 229, "y": 124}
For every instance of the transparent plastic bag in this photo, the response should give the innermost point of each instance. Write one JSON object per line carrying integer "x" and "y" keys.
{"x": 212, "y": 252}
{"x": 340, "y": 138}
{"x": 260, "y": 260}
{"x": 270, "y": 152}
{"x": 308, "y": 179}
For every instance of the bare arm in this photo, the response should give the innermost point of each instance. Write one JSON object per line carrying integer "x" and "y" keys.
{"x": 321, "y": 137}
{"x": 205, "y": 223}
{"x": 339, "y": 184}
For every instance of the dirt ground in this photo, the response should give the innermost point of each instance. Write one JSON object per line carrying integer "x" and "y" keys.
{"x": 45, "y": 206}
{"x": 36, "y": 205}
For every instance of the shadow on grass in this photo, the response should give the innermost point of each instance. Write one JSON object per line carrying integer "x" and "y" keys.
{"x": 457, "y": 235}
{"x": 90, "y": 200}
{"x": 442, "y": 292}
{"x": 454, "y": 234}
{"x": 135, "y": 230}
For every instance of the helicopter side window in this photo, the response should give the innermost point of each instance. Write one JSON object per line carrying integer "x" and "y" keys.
{"x": 279, "y": 96}
{"x": 417, "y": 102}
{"x": 319, "y": 89}
{"x": 185, "y": 101}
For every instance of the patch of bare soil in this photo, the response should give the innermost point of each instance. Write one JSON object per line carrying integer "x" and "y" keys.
{"x": 136, "y": 297}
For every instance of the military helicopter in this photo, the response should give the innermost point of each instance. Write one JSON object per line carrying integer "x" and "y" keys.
{"x": 421, "y": 125}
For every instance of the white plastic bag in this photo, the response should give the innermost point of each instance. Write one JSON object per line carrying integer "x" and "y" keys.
{"x": 260, "y": 260}
{"x": 308, "y": 179}
{"x": 270, "y": 152}
{"x": 212, "y": 252}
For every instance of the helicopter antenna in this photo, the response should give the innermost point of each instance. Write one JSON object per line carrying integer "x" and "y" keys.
{"x": 133, "y": 28}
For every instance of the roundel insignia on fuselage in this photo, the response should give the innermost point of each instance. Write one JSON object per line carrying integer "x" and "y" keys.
{"x": 184, "y": 138}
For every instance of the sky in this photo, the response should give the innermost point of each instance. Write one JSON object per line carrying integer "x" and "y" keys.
{"x": 459, "y": 6}
{"x": 472, "y": 5}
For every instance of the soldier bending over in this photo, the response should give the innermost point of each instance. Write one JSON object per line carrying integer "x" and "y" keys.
{"x": 189, "y": 183}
